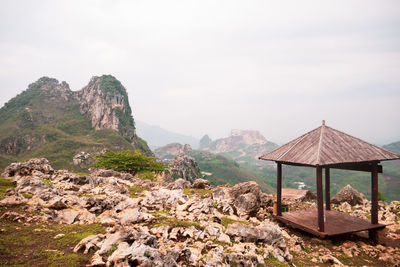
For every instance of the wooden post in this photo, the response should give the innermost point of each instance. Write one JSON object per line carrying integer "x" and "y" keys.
{"x": 279, "y": 189}
{"x": 320, "y": 200}
{"x": 327, "y": 189}
{"x": 373, "y": 234}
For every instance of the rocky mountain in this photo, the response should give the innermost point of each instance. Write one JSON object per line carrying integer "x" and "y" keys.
{"x": 243, "y": 146}
{"x": 53, "y": 217}
{"x": 216, "y": 168}
{"x": 157, "y": 137}
{"x": 49, "y": 119}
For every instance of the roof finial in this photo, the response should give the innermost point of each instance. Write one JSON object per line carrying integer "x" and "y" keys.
{"x": 323, "y": 122}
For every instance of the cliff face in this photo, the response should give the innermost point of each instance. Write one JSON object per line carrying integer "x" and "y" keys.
{"x": 49, "y": 119}
{"x": 105, "y": 102}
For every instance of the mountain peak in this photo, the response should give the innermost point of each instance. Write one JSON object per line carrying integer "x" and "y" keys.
{"x": 249, "y": 137}
{"x": 105, "y": 102}
{"x": 108, "y": 84}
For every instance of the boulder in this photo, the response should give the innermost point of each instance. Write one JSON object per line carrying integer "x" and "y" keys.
{"x": 243, "y": 199}
{"x": 82, "y": 159}
{"x": 12, "y": 201}
{"x": 133, "y": 215}
{"x": 164, "y": 199}
{"x": 26, "y": 168}
{"x": 201, "y": 184}
{"x": 265, "y": 232}
{"x": 179, "y": 184}
{"x": 349, "y": 195}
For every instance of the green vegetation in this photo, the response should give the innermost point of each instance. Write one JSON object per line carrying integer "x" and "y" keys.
{"x": 225, "y": 170}
{"x": 27, "y": 245}
{"x": 128, "y": 161}
{"x": 27, "y": 195}
{"x": 225, "y": 221}
{"x": 196, "y": 191}
{"x": 113, "y": 248}
{"x": 147, "y": 175}
{"x": 4, "y": 185}
{"x": 135, "y": 191}
{"x": 272, "y": 261}
{"x": 173, "y": 222}
{"x": 161, "y": 213}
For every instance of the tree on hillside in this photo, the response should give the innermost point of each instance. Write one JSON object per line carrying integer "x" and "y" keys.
{"x": 130, "y": 161}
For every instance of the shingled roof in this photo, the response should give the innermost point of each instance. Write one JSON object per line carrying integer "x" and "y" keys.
{"x": 327, "y": 146}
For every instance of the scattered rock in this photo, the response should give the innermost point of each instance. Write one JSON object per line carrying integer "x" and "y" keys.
{"x": 349, "y": 195}
{"x": 26, "y": 168}
{"x": 201, "y": 184}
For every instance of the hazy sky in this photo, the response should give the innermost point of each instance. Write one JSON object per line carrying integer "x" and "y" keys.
{"x": 198, "y": 67}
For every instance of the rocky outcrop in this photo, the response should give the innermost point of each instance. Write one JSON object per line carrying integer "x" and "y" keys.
{"x": 349, "y": 195}
{"x": 82, "y": 159}
{"x": 243, "y": 199}
{"x": 105, "y": 102}
{"x": 236, "y": 140}
{"x": 172, "y": 150}
{"x": 49, "y": 106}
{"x": 26, "y": 168}
{"x": 184, "y": 167}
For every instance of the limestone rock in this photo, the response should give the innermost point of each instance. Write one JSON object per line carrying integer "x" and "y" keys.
{"x": 179, "y": 184}
{"x": 26, "y": 168}
{"x": 244, "y": 199}
{"x": 267, "y": 233}
{"x": 185, "y": 167}
{"x": 201, "y": 184}
{"x": 349, "y": 195}
{"x": 82, "y": 159}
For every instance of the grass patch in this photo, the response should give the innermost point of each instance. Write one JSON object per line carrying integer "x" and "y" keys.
{"x": 272, "y": 261}
{"x": 113, "y": 248}
{"x": 4, "y": 185}
{"x": 202, "y": 193}
{"x": 397, "y": 231}
{"x": 147, "y": 175}
{"x": 27, "y": 195}
{"x": 47, "y": 182}
{"x": 160, "y": 213}
{"x": 134, "y": 191}
{"x": 34, "y": 245}
{"x": 225, "y": 221}
{"x": 164, "y": 221}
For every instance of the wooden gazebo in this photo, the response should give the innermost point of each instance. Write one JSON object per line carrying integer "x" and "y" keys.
{"x": 327, "y": 148}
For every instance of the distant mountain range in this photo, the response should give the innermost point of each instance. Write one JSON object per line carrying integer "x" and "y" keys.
{"x": 50, "y": 120}
{"x": 157, "y": 137}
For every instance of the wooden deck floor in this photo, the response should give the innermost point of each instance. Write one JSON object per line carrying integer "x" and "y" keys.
{"x": 336, "y": 223}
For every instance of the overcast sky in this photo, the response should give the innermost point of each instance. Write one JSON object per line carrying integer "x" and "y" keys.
{"x": 198, "y": 67}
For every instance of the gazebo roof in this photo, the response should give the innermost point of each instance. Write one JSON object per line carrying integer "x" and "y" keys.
{"x": 326, "y": 146}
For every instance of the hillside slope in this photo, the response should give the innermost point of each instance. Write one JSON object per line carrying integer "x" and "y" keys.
{"x": 50, "y": 120}
{"x": 217, "y": 168}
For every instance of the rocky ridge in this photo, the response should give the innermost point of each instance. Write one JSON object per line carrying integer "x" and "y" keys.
{"x": 50, "y": 117}
{"x": 177, "y": 223}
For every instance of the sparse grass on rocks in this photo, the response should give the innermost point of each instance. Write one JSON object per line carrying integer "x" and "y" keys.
{"x": 202, "y": 193}
{"x": 134, "y": 191}
{"x": 35, "y": 245}
{"x": 4, "y": 185}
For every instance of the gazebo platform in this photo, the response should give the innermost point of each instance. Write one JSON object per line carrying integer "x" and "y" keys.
{"x": 336, "y": 223}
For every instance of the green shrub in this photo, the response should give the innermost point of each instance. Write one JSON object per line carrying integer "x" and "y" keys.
{"x": 128, "y": 161}
{"x": 380, "y": 196}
